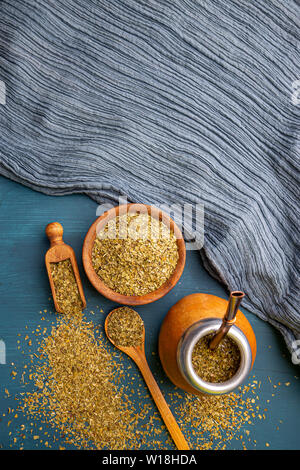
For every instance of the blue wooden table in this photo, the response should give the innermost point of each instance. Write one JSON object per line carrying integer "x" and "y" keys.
{"x": 24, "y": 292}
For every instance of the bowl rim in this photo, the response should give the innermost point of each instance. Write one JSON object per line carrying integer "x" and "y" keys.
{"x": 100, "y": 286}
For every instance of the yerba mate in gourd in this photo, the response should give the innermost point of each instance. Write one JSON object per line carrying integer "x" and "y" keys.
{"x": 192, "y": 318}
{"x": 219, "y": 365}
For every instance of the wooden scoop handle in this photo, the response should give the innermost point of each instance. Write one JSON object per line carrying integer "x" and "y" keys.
{"x": 54, "y": 232}
{"x": 161, "y": 403}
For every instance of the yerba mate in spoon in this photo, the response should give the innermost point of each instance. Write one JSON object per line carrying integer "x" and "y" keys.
{"x": 125, "y": 329}
{"x": 63, "y": 273}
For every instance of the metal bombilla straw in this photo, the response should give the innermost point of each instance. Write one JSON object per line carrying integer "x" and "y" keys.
{"x": 228, "y": 319}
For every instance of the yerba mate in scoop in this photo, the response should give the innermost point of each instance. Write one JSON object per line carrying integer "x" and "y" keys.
{"x": 63, "y": 273}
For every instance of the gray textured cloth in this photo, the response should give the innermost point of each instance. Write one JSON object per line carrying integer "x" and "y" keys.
{"x": 167, "y": 101}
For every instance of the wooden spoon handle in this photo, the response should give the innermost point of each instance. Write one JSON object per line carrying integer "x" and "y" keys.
{"x": 162, "y": 405}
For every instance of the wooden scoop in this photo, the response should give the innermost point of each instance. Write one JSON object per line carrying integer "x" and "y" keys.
{"x": 137, "y": 353}
{"x": 59, "y": 251}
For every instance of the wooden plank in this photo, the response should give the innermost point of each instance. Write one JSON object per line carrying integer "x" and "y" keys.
{"x": 25, "y": 291}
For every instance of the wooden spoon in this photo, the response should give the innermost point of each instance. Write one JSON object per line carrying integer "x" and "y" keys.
{"x": 59, "y": 251}
{"x": 137, "y": 353}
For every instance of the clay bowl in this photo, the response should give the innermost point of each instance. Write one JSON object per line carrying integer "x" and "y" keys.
{"x": 99, "y": 284}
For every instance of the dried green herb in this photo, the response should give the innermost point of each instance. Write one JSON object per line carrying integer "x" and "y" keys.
{"x": 135, "y": 254}
{"x": 62, "y": 373}
{"x": 65, "y": 285}
{"x": 125, "y": 327}
{"x": 76, "y": 391}
{"x": 218, "y": 365}
{"x": 218, "y": 421}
